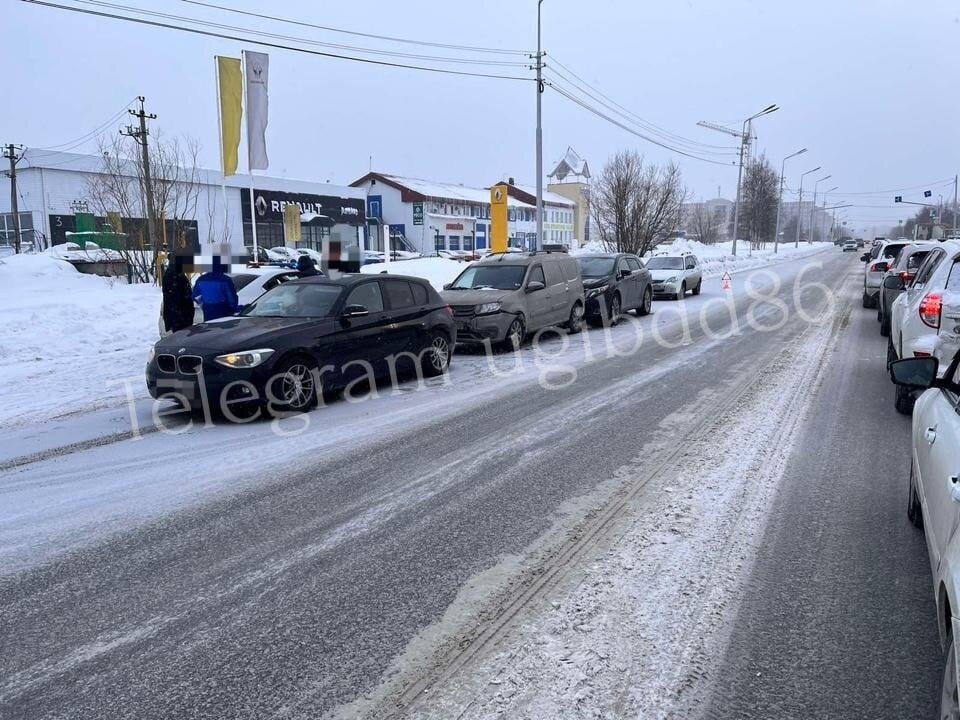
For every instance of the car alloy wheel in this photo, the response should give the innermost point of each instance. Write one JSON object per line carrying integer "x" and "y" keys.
{"x": 516, "y": 333}
{"x": 575, "y": 323}
{"x": 647, "y": 304}
{"x": 949, "y": 700}
{"x": 438, "y": 355}
{"x": 297, "y": 388}
{"x": 615, "y": 310}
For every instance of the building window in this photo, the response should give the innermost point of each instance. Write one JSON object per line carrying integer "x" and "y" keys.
{"x": 453, "y": 242}
{"x": 8, "y": 231}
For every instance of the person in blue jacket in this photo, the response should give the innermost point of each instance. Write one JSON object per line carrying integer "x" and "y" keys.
{"x": 215, "y": 292}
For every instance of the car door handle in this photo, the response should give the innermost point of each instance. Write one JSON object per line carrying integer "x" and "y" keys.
{"x": 931, "y": 435}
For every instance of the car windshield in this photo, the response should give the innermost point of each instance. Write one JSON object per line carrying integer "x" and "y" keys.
{"x": 665, "y": 263}
{"x": 493, "y": 277}
{"x": 296, "y": 300}
{"x": 596, "y": 266}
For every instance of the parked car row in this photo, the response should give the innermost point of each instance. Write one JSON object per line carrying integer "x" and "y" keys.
{"x": 299, "y": 337}
{"x": 918, "y": 309}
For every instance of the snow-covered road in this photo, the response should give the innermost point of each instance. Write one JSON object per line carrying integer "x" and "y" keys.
{"x": 313, "y": 558}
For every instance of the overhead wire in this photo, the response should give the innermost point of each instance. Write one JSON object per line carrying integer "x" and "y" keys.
{"x": 355, "y": 33}
{"x": 87, "y": 137}
{"x": 633, "y": 131}
{"x": 276, "y": 45}
{"x": 293, "y": 38}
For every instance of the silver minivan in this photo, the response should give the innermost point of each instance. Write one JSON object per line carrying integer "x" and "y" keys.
{"x": 505, "y": 297}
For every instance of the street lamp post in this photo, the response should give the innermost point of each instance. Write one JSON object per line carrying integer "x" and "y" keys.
{"x": 823, "y": 218}
{"x": 813, "y": 208}
{"x": 796, "y": 242}
{"x": 744, "y": 137}
{"x": 539, "y": 243}
{"x": 783, "y": 167}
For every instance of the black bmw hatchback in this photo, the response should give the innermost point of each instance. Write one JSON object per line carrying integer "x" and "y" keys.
{"x": 304, "y": 338}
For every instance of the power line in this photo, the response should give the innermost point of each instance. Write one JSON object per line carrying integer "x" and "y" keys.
{"x": 292, "y": 38}
{"x": 650, "y": 127}
{"x": 279, "y": 46}
{"x": 629, "y": 129}
{"x": 424, "y": 43}
{"x": 67, "y": 146}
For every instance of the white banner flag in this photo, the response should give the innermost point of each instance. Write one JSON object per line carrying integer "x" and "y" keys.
{"x": 256, "y": 72}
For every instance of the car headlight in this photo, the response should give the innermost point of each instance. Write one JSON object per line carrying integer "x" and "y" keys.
{"x": 672, "y": 279}
{"x": 593, "y": 292}
{"x": 487, "y": 308}
{"x": 245, "y": 359}
{"x": 151, "y": 354}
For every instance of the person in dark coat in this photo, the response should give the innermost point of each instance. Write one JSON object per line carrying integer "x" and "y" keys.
{"x": 306, "y": 267}
{"x": 178, "y": 304}
{"x": 215, "y": 292}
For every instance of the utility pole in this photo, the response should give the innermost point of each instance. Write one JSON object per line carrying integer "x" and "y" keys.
{"x": 744, "y": 136}
{"x": 956, "y": 207}
{"x": 813, "y": 208}
{"x": 539, "y": 68}
{"x": 13, "y": 153}
{"x": 139, "y": 134}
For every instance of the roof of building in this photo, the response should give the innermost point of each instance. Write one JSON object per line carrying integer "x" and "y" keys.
{"x": 83, "y": 163}
{"x": 571, "y": 164}
{"x": 418, "y": 190}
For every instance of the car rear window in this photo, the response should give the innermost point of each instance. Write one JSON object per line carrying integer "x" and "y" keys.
{"x": 953, "y": 282}
{"x": 892, "y": 250}
{"x": 916, "y": 259}
{"x": 399, "y": 293}
{"x": 241, "y": 280}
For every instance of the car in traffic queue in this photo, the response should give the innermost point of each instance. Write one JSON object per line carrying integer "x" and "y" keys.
{"x": 675, "y": 273}
{"x": 899, "y": 274}
{"x": 250, "y": 283}
{"x": 303, "y": 338}
{"x": 933, "y": 497}
{"x": 878, "y": 261}
{"x": 614, "y": 283}
{"x": 916, "y": 316}
{"x": 849, "y": 246}
{"x": 504, "y": 297}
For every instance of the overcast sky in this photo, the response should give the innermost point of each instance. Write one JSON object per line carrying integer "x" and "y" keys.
{"x": 869, "y": 86}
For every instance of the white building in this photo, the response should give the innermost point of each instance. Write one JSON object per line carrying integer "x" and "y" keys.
{"x": 435, "y": 216}
{"x": 53, "y": 187}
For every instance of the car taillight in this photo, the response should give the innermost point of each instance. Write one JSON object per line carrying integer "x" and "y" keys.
{"x": 907, "y": 277}
{"x": 930, "y": 308}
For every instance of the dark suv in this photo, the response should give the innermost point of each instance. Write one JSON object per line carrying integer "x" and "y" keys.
{"x": 615, "y": 283}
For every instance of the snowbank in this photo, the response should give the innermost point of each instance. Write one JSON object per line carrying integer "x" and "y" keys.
{"x": 438, "y": 271}
{"x": 719, "y": 258}
{"x": 90, "y": 252}
{"x": 66, "y": 335}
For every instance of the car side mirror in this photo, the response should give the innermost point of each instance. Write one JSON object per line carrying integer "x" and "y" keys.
{"x": 354, "y": 311}
{"x": 534, "y": 286}
{"x": 626, "y": 273}
{"x": 447, "y": 286}
{"x": 894, "y": 282}
{"x": 916, "y": 372}
{"x": 865, "y": 257}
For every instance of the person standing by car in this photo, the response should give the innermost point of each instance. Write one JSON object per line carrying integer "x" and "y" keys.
{"x": 306, "y": 267}
{"x": 178, "y": 304}
{"x": 215, "y": 292}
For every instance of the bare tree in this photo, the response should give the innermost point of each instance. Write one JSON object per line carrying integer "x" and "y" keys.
{"x": 758, "y": 197}
{"x": 117, "y": 192}
{"x": 704, "y": 222}
{"x": 635, "y": 206}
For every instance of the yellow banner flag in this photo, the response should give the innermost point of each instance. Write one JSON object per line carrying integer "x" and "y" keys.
{"x": 230, "y": 79}
{"x": 291, "y": 224}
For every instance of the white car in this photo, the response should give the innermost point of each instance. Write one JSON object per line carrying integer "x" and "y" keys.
{"x": 675, "y": 273}
{"x": 916, "y": 317}
{"x": 250, "y": 284}
{"x": 934, "y": 497}
{"x": 878, "y": 260}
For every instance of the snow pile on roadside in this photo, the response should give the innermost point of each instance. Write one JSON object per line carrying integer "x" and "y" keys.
{"x": 66, "y": 335}
{"x": 438, "y": 271}
{"x": 719, "y": 258}
{"x": 90, "y": 252}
